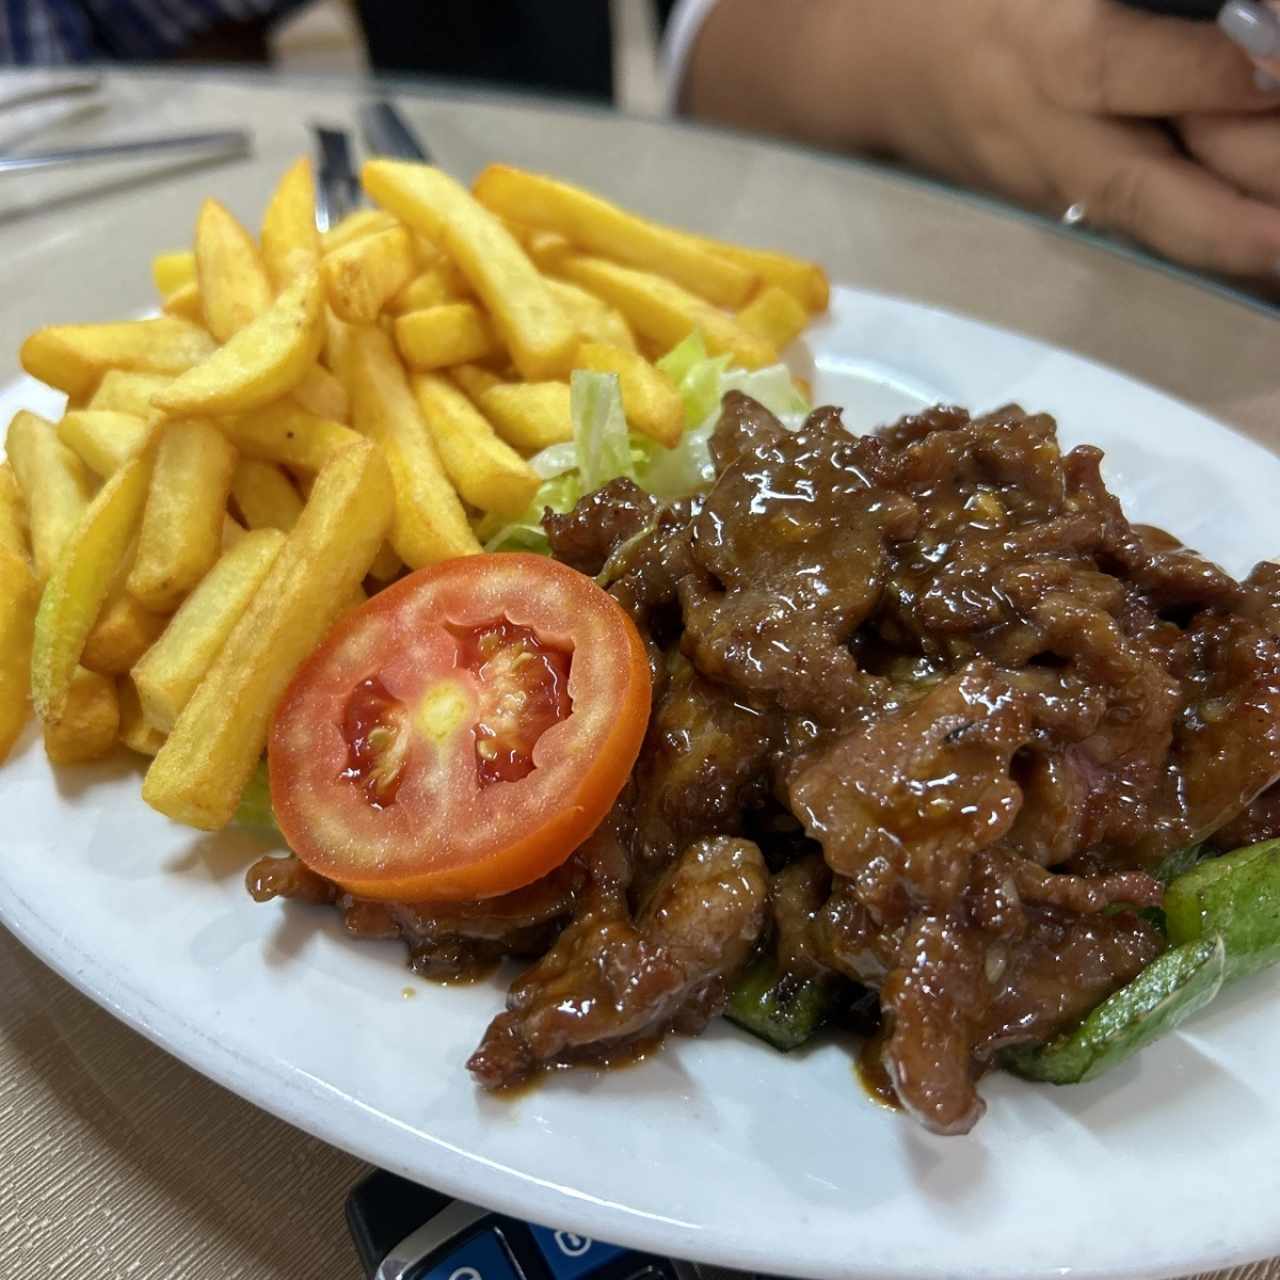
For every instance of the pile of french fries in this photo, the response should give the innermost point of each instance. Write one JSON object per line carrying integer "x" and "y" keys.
{"x": 310, "y": 415}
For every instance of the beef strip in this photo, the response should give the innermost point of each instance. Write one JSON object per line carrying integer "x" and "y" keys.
{"x": 289, "y": 878}
{"x": 901, "y": 804}
{"x": 797, "y": 895}
{"x": 788, "y": 559}
{"x": 1260, "y": 821}
{"x": 609, "y": 981}
{"x": 958, "y": 995}
{"x": 930, "y": 1003}
{"x": 704, "y": 764}
{"x": 1226, "y": 748}
{"x": 445, "y": 941}
{"x": 744, "y": 424}
{"x": 586, "y": 536}
{"x": 1062, "y": 967}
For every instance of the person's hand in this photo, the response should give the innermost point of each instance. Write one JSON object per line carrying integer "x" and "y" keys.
{"x": 1154, "y": 127}
{"x": 1255, "y": 26}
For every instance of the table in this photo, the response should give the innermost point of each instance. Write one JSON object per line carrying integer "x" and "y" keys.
{"x": 115, "y": 1157}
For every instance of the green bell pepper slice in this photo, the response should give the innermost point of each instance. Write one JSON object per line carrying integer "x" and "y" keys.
{"x": 1236, "y": 896}
{"x": 784, "y": 1009}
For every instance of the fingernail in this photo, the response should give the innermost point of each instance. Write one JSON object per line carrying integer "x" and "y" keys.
{"x": 1266, "y": 81}
{"x": 1252, "y": 26}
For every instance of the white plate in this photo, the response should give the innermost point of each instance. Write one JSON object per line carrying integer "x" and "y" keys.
{"x": 717, "y": 1148}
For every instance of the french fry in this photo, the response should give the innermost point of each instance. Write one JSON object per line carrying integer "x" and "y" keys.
{"x": 596, "y": 321}
{"x": 103, "y": 439}
{"x": 233, "y": 532}
{"x": 805, "y": 281}
{"x": 284, "y": 433}
{"x": 604, "y": 229}
{"x": 79, "y": 583}
{"x": 453, "y": 333}
{"x": 265, "y": 495}
{"x": 290, "y": 241}
{"x": 427, "y": 252}
{"x": 386, "y": 564}
{"x": 652, "y": 404}
{"x": 218, "y": 739}
{"x": 321, "y": 393}
{"x": 186, "y": 303}
{"x": 54, "y": 483}
{"x": 72, "y": 357}
{"x": 135, "y": 732}
{"x": 19, "y": 595}
{"x": 442, "y": 282}
{"x": 167, "y": 675}
{"x": 90, "y": 720}
{"x": 774, "y": 315}
{"x": 524, "y": 311}
{"x": 13, "y": 514}
{"x": 430, "y": 524}
{"x": 336, "y": 341}
{"x": 488, "y": 473}
{"x": 171, "y": 271}
{"x": 234, "y": 288}
{"x": 528, "y": 415}
{"x": 546, "y": 248}
{"x": 363, "y": 276}
{"x": 181, "y": 534}
{"x": 363, "y": 222}
{"x": 666, "y": 313}
{"x": 475, "y": 381}
{"x": 262, "y": 362}
{"x": 123, "y": 632}
{"x": 121, "y": 391}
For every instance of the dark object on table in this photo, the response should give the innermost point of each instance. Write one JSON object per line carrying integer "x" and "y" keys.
{"x": 403, "y": 1230}
{"x": 1197, "y": 10}
{"x": 557, "y": 46}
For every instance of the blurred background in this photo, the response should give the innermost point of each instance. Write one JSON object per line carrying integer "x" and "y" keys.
{"x": 1155, "y": 121}
{"x": 606, "y": 50}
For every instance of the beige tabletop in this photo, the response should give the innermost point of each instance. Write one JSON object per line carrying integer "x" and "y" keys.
{"x": 115, "y": 1159}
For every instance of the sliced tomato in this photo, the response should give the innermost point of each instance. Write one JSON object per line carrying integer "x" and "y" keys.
{"x": 462, "y": 733}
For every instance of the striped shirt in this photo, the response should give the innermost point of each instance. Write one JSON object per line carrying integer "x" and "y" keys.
{"x": 52, "y": 32}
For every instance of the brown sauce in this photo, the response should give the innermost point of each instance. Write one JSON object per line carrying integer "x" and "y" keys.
{"x": 873, "y": 1076}
{"x": 618, "y": 1058}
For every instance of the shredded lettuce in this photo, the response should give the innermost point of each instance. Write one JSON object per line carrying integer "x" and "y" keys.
{"x": 703, "y": 381}
{"x": 697, "y": 377}
{"x": 602, "y": 449}
{"x": 599, "y": 429}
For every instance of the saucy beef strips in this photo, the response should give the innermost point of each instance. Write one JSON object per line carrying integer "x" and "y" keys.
{"x": 936, "y": 683}
{"x": 993, "y": 703}
{"x": 611, "y": 982}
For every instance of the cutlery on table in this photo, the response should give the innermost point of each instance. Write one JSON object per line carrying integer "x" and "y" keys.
{"x": 222, "y": 144}
{"x": 338, "y": 190}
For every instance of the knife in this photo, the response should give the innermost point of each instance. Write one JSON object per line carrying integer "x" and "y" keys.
{"x": 386, "y": 133}
{"x": 337, "y": 186}
{"x": 222, "y": 144}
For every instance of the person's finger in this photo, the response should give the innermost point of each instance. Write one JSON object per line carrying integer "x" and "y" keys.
{"x": 1130, "y": 178}
{"x": 1253, "y": 26}
{"x": 1098, "y": 56}
{"x": 1245, "y": 150}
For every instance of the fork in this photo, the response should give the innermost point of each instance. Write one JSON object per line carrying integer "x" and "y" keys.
{"x": 386, "y": 133}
